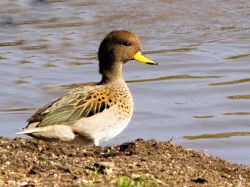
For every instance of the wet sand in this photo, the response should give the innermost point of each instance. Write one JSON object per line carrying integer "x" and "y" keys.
{"x": 29, "y": 162}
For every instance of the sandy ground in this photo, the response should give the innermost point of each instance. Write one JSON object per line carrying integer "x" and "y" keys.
{"x": 29, "y": 162}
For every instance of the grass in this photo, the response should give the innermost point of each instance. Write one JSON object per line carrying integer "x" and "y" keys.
{"x": 125, "y": 182}
{"x": 136, "y": 182}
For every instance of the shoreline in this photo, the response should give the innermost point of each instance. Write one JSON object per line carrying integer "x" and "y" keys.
{"x": 30, "y": 162}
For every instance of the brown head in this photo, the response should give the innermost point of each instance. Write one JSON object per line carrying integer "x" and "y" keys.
{"x": 117, "y": 48}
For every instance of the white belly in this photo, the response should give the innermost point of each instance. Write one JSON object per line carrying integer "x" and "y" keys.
{"x": 102, "y": 126}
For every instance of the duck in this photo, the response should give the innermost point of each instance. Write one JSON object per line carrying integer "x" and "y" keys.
{"x": 92, "y": 114}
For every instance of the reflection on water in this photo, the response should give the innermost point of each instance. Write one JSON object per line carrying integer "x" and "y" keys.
{"x": 201, "y": 85}
{"x": 231, "y": 82}
{"x": 203, "y": 116}
{"x": 21, "y": 82}
{"x": 237, "y": 113}
{"x": 16, "y": 110}
{"x": 15, "y": 43}
{"x": 49, "y": 65}
{"x": 71, "y": 86}
{"x": 78, "y": 63}
{"x": 171, "y": 78}
{"x": 25, "y": 62}
{"x": 239, "y": 97}
{"x": 183, "y": 49}
{"x": 237, "y": 56}
{"x": 218, "y": 135}
{"x": 35, "y": 47}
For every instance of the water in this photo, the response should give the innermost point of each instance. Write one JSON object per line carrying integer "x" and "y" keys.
{"x": 198, "y": 95}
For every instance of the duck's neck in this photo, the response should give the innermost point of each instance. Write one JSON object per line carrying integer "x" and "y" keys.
{"x": 111, "y": 73}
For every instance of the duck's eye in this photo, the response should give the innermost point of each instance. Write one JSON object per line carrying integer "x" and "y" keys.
{"x": 126, "y": 43}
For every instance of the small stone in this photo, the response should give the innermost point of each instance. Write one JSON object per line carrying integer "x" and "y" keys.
{"x": 136, "y": 176}
{"x": 32, "y": 171}
{"x": 24, "y": 183}
{"x": 104, "y": 167}
{"x": 4, "y": 157}
{"x": 199, "y": 180}
{"x": 128, "y": 147}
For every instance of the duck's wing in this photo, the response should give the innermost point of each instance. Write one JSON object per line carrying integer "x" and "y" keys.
{"x": 41, "y": 112}
{"x": 72, "y": 107}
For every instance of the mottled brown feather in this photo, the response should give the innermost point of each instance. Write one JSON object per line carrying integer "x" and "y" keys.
{"x": 85, "y": 105}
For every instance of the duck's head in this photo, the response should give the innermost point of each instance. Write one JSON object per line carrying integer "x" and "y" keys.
{"x": 117, "y": 48}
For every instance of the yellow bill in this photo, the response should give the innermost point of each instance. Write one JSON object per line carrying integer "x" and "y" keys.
{"x": 140, "y": 58}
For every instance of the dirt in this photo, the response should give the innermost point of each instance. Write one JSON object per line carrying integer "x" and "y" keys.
{"x": 29, "y": 162}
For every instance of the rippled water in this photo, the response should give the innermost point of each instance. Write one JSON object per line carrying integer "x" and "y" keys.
{"x": 198, "y": 95}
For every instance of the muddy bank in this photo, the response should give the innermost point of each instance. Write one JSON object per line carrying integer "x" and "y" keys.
{"x": 28, "y": 162}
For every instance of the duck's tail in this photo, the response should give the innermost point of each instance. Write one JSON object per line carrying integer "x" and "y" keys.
{"x": 28, "y": 131}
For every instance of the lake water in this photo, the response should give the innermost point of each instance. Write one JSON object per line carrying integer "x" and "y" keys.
{"x": 198, "y": 95}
